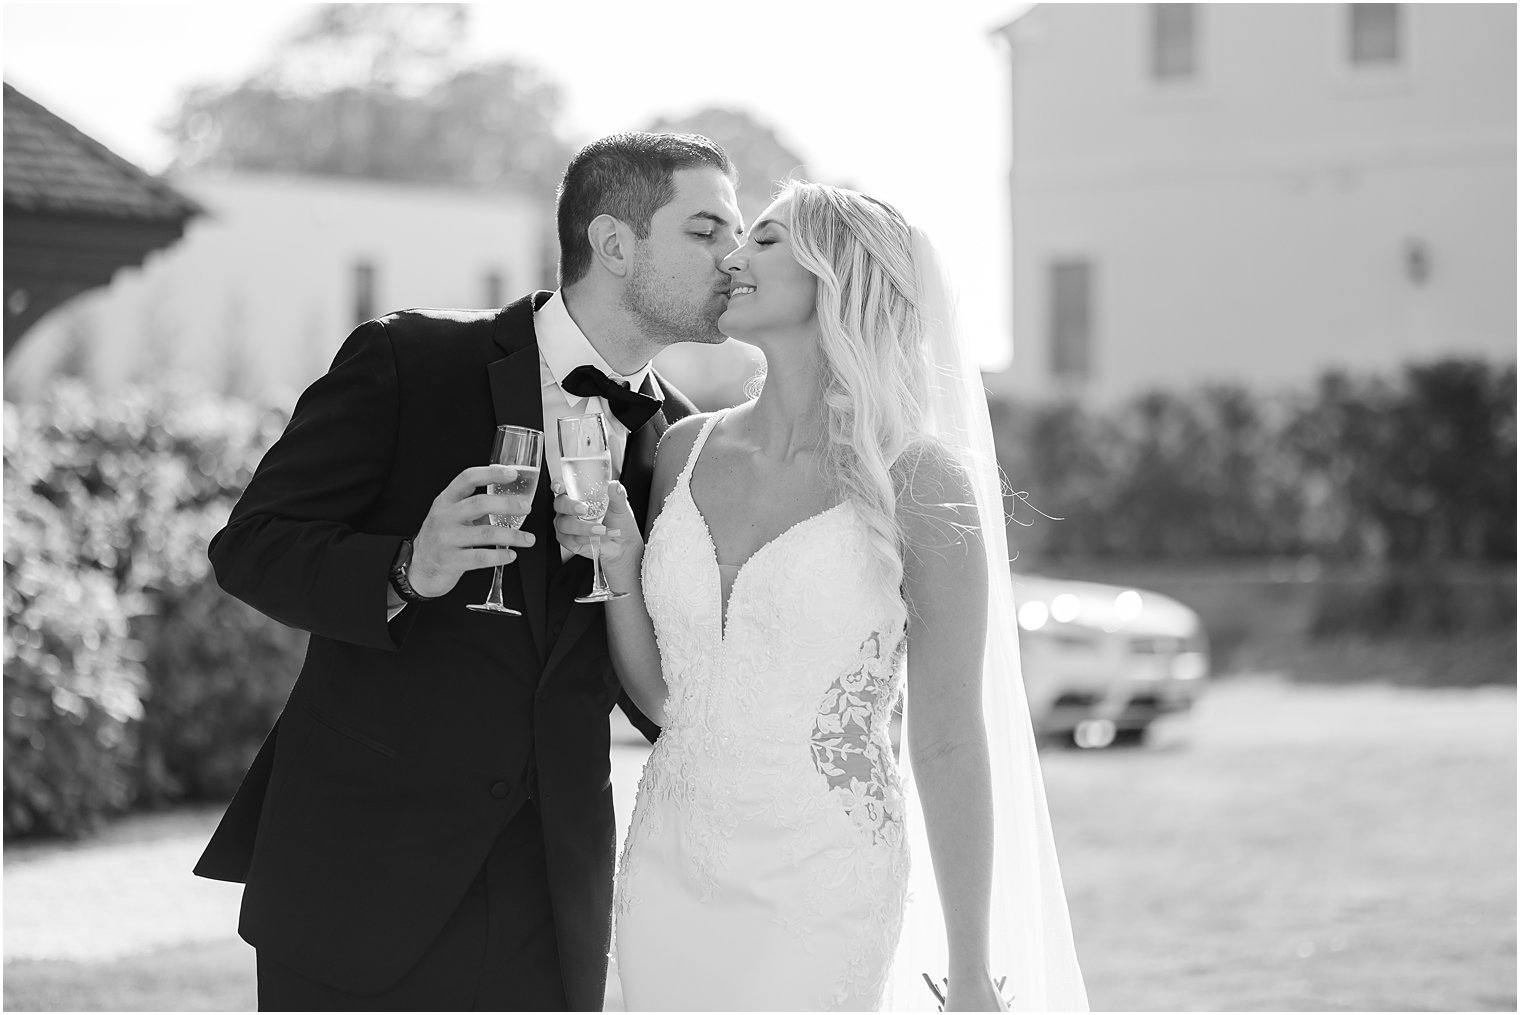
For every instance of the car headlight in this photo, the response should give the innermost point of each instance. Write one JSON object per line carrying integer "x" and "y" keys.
{"x": 1127, "y": 605}
{"x": 1065, "y": 607}
{"x": 1033, "y": 615}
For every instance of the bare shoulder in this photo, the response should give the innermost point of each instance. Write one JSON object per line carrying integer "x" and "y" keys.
{"x": 677, "y": 441}
{"x": 670, "y": 458}
{"x": 936, "y": 503}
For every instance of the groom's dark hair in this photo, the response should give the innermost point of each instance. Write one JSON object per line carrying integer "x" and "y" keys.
{"x": 629, "y": 176}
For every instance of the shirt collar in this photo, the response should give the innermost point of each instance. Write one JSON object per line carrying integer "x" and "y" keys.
{"x": 564, "y": 346}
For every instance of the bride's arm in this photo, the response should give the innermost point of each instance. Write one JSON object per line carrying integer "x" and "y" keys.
{"x": 630, "y": 633}
{"x": 945, "y": 581}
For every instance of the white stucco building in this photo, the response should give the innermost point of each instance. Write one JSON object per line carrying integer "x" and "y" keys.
{"x": 1256, "y": 192}
{"x": 263, "y": 289}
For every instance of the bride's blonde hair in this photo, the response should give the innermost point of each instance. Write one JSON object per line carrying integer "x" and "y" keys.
{"x": 876, "y": 370}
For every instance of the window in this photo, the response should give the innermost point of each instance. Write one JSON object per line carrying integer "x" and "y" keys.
{"x": 1174, "y": 41}
{"x": 364, "y": 291}
{"x": 1374, "y": 34}
{"x": 1071, "y": 319}
{"x": 495, "y": 289}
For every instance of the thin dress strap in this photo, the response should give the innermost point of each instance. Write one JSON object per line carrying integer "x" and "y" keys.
{"x": 684, "y": 479}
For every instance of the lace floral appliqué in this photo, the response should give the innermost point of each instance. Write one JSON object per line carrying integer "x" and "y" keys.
{"x": 850, "y": 741}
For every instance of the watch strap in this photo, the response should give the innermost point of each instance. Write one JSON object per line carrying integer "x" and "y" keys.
{"x": 399, "y": 579}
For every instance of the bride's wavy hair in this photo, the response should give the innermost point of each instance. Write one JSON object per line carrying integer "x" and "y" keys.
{"x": 876, "y": 367}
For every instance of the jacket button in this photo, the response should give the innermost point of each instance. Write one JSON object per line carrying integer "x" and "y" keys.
{"x": 499, "y": 790}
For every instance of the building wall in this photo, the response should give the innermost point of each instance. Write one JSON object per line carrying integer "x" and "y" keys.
{"x": 1280, "y": 212}
{"x": 262, "y": 290}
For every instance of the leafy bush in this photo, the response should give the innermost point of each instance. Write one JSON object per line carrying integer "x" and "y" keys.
{"x": 1408, "y": 479}
{"x": 73, "y": 677}
{"x": 1191, "y": 474}
{"x": 1421, "y": 467}
{"x": 218, "y": 674}
{"x": 116, "y": 691}
{"x": 1061, "y": 458}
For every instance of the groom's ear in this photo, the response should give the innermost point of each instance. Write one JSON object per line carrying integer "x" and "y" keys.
{"x": 611, "y": 244}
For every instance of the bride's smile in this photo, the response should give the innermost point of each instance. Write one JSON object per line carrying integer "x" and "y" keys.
{"x": 769, "y": 292}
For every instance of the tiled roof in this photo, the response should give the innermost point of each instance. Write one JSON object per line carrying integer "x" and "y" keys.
{"x": 51, "y": 166}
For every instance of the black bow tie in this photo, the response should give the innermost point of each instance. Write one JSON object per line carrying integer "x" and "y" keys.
{"x": 632, "y": 408}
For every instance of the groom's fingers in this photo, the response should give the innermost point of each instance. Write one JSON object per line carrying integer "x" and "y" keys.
{"x": 475, "y": 559}
{"x": 493, "y": 535}
{"x": 482, "y": 504}
{"x": 473, "y": 478}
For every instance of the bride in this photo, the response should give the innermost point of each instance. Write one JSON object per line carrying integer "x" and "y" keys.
{"x": 813, "y": 554}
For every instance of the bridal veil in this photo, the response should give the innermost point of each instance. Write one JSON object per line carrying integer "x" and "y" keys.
{"x": 1031, "y": 937}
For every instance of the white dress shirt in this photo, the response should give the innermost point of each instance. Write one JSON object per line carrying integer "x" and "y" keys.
{"x": 562, "y": 347}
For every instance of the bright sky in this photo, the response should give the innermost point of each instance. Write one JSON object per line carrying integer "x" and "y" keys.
{"x": 905, "y": 100}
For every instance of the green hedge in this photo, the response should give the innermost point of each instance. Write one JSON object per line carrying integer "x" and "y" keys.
{"x": 73, "y": 675}
{"x": 129, "y": 677}
{"x": 1420, "y": 467}
{"x": 1410, "y": 478}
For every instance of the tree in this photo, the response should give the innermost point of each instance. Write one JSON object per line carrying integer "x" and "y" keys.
{"x": 379, "y": 91}
{"x": 762, "y": 158}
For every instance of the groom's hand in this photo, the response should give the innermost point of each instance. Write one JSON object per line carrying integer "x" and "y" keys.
{"x": 618, "y": 533}
{"x": 456, "y": 535}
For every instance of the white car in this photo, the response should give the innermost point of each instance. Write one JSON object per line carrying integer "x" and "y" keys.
{"x": 1102, "y": 662}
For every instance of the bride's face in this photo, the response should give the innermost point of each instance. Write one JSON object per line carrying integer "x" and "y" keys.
{"x": 770, "y": 292}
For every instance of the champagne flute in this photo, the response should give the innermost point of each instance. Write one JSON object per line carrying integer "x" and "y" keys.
{"x": 585, "y": 463}
{"x": 524, "y": 448}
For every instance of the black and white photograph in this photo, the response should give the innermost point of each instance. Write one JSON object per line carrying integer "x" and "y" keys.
{"x": 821, "y": 505}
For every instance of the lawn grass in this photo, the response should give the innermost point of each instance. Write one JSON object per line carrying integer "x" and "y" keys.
{"x": 1299, "y": 848}
{"x": 1287, "y": 847}
{"x": 201, "y": 977}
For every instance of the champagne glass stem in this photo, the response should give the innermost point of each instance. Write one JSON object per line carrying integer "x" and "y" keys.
{"x": 598, "y": 582}
{"x": 495, "y": 597}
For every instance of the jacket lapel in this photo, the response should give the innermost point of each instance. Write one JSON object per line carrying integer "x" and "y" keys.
{"x": 517, "y": 398}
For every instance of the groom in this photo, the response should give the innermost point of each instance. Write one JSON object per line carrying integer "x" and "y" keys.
{"x": 429, "y": 825}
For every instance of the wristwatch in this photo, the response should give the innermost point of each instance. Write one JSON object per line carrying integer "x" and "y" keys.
{"x": 399, "y": 580}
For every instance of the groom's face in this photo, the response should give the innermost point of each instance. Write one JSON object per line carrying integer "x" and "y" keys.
{"x": 676, "y": 286}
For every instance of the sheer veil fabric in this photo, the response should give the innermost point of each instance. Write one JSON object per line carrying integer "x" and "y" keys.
{"x": 1031, "y": 939}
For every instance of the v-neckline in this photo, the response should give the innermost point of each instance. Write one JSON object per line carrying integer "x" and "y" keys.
{"x": 712, "y": 544}
{"x": 712, "y": 548}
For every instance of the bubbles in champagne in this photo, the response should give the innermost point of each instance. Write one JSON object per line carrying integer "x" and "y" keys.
{"x": 524, "y": 485}
{"x": 587, "y": 480}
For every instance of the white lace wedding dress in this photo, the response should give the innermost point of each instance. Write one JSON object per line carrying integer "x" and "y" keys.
{"x": 766, "y": 866}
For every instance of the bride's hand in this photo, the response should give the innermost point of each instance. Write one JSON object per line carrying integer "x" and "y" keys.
{"x": 622, "y": 547}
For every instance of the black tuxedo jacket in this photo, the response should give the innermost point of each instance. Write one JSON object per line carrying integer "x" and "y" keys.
{"x": 405, "y": 747}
